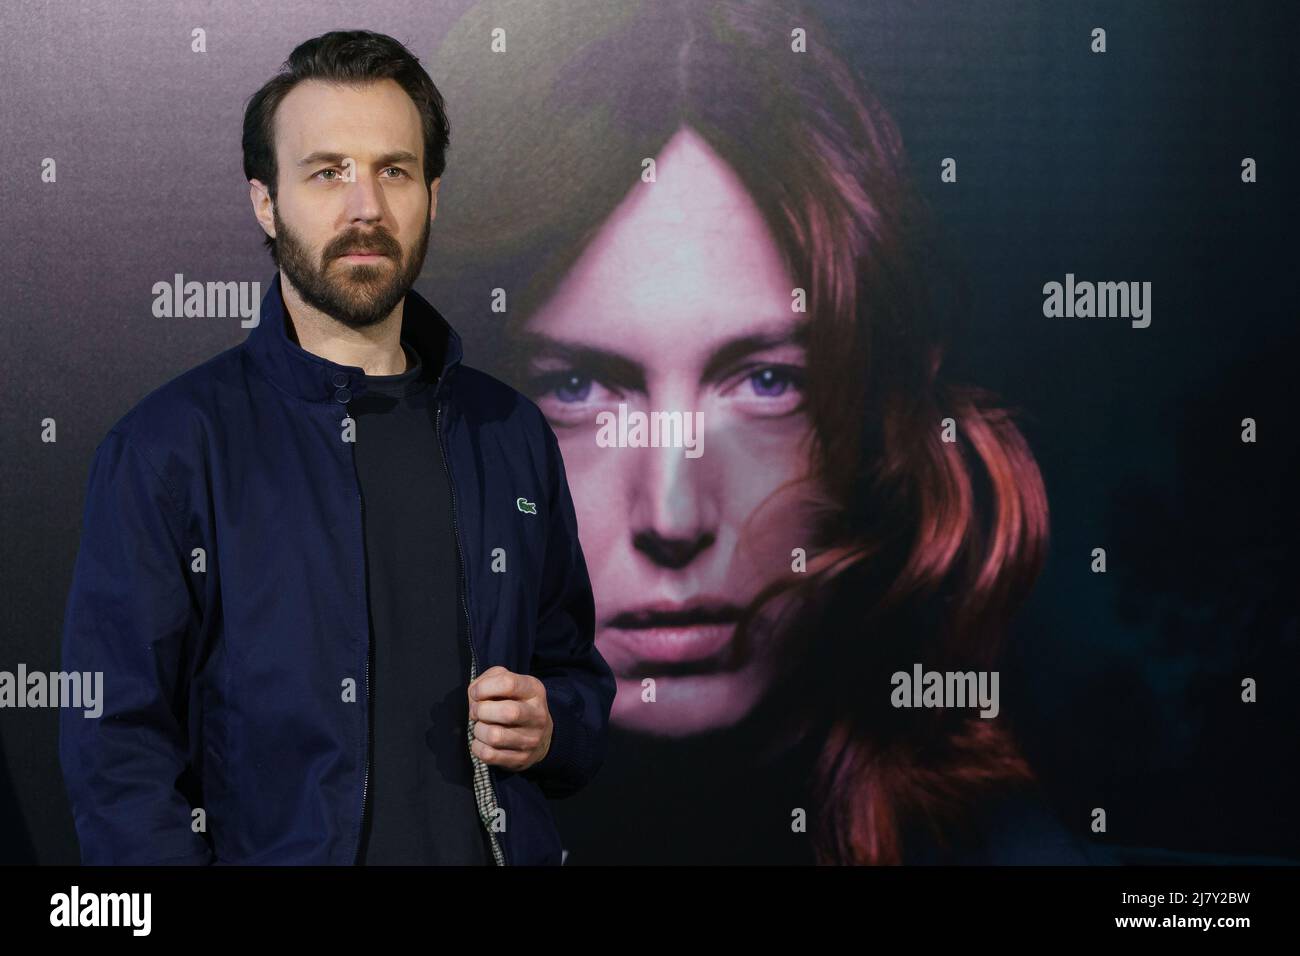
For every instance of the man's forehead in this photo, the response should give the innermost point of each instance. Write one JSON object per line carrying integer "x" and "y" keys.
{"x": 359, "y": 120}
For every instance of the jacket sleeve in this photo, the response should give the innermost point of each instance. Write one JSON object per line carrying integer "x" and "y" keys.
{"x": 130, "y": 616}
{"x": 579, "y": 683}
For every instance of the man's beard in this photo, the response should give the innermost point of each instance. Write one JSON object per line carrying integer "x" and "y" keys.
{"x": 357, "y": 295}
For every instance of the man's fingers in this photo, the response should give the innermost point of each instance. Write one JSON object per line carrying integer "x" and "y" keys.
{"x": 507, "y": 713}
{"x": 505, "y": 738}
{"x": 501, "y": 684}
{"x": 496, "y": 682}
{"x": 507, "y": 759}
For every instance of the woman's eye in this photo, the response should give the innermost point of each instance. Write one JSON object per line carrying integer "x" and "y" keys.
{"x": 563, "y": 385}
{"x": 770, "y": 382}
{"x": 569, "y": 386}
{"x": 569, "y": 397}
{"x": 769, "y": 390}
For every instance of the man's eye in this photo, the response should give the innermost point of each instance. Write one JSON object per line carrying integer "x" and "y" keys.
{"x": 338, "y": 172}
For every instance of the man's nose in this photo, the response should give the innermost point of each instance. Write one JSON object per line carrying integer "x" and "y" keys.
{"x": 365, "y": 200}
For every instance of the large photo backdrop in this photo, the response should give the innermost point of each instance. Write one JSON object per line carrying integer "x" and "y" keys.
{"x": 884, "y": 342}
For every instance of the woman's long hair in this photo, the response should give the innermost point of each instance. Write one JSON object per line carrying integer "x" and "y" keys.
{"x": 924, "y": 547}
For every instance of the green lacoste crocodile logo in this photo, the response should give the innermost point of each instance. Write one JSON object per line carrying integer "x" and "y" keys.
{"x": 526, "y": 506}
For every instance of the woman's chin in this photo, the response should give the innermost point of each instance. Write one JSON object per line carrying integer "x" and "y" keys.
{"x": 680, "y": 706}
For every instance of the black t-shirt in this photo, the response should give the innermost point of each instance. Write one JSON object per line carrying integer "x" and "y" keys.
{"x": 420, "y": 807}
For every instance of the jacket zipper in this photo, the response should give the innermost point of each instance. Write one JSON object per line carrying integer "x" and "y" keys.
{"x": 369, "y": 744}
{"x": 486, "y": 771}
{"x": 365, "y": 714}
{"x": 365, "y": 781}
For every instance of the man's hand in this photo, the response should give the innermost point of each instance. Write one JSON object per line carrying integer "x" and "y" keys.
{"x": 514, "y": 724}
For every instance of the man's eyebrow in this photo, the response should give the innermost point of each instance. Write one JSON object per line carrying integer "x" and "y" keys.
{"x": 612, "y": 366}
{"x": 389, "y": 158}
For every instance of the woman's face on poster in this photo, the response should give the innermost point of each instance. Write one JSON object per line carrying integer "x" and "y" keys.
{"x": 680, "y": 304}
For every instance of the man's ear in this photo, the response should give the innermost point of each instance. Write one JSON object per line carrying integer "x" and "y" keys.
{"x": 433, "y": 198}
{"x": 263, "y": 206}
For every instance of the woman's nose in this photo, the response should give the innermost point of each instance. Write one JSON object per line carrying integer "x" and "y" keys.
{"x": 669, "y": 522}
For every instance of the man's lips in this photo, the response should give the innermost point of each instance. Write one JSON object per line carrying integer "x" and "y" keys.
{"x": 673, "y": 633}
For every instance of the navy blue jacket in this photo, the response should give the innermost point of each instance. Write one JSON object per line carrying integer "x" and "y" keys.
{"x": 220, "y": 588}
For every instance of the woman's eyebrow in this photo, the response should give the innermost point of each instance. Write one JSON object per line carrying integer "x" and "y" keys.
{"x": 733, "y": 350}
{"x": 600, "y": 363}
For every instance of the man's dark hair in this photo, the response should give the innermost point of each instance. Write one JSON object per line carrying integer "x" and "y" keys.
{"x": 350, "y": 57}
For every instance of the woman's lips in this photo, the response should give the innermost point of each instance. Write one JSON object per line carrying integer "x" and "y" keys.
{"x": 671, "y": 634}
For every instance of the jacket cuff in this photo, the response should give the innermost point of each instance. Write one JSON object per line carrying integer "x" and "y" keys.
{"x": 570, "y": 751}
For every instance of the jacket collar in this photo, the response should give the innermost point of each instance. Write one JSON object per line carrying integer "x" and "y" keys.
{"x": 316, "y": 379}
